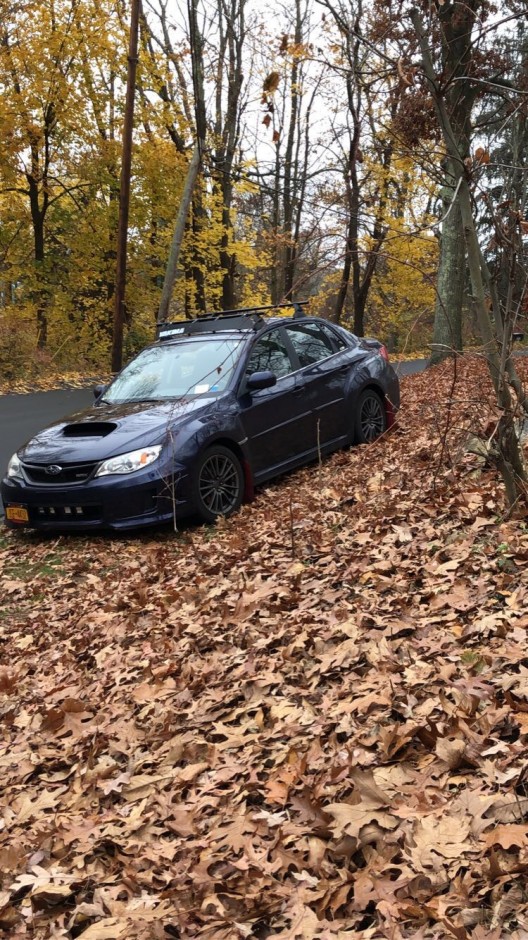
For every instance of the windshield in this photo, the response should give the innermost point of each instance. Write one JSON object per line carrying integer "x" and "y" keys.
{"x": 175, "y": 371}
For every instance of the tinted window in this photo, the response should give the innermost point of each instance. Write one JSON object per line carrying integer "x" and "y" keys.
{"x": 269, "y": 354}
{"x": 336, "y": 340}
{"x": 310, "y": 343}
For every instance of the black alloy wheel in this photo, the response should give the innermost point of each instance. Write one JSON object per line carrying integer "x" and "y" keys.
{"x": 219, "y": 483}
{"x": 371, "y": 420}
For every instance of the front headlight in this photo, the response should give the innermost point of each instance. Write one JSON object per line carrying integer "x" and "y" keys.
{"x": 128, "y": 463}
{"x": 14, "y": 469}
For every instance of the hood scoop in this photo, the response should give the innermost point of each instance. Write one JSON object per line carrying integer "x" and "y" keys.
{"x": 89, "y": 429}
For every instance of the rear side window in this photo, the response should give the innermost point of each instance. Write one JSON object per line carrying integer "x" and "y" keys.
{"x": 336, "y": 340}
{"x": 270, "y": 354}
{"x": 311, "y": 342}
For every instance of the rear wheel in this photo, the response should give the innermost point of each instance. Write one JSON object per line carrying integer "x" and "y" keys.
{"x": 218, "y": 483}
{"x": 371, "y": 419}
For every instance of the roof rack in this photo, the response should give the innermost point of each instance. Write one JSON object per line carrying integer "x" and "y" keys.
{"x": 244, "y": 318}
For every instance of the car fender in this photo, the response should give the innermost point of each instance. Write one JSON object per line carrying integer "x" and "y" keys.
{"x": 224, "y": 428}
{"x": 369, "y": 374}
{"x": 372, "y": 373}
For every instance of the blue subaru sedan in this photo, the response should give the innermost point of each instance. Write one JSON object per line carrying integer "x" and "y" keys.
{"x": 217, "y": 406}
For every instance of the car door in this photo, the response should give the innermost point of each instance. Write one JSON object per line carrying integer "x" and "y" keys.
{"x": 277, "y": 421}
{"x": 324, "y": 358}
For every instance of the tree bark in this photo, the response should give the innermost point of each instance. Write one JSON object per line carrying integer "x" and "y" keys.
{"x": 38, "y": 215}
{"x": 179, "y": 231}
{"x": 456, "y": 22}
{"x": 124, "y": 193}
{"x": 447, "y": 331}
{"x": 508, "y": 451}
{"x": 227, "y": 132}
{"x": 290, "y": 168}
{"x": 197, "y": 261}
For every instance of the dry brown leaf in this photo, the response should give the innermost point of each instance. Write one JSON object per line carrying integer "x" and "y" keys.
{"x": 436, "y": 840}
{"x": 349, "y": 820}
{"x": 451, "y": 750}
{"x": 109, "y": 928}
{"x": 507, "y": 837}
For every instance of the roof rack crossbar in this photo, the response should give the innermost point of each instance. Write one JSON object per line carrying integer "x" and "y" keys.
{"x": 296, "y": 304}
{"x": 249, "y": 315}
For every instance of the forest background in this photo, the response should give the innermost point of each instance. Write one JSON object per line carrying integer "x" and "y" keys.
{"x": 324, "y": 170}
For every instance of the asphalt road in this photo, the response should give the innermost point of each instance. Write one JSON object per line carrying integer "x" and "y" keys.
{"x": 22, "y": 416}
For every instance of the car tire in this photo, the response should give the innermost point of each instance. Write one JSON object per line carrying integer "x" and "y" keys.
{"x": 218, "y": 483}
{"x": 371, "y": 417}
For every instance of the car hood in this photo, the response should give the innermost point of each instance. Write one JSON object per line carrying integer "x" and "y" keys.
{"x": 107, "y": 430}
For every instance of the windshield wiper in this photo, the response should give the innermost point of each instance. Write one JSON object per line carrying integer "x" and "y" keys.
{"x": 142, "y": 401}
{"x": 131, "y": 401}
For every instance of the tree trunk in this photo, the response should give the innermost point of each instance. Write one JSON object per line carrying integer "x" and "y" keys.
{"x": 39, "y": 292}
{"x": 276, "y": 223}
{"x": 508, "y": 451}
{"x": 124, "y": 192}
{"x": 199, "y": 222}
{"x": 345, "y": 275}
{"x": 456, "y": 21}
{"x": 447, "y": 333}
{"x": 231, "y": 25}
{"x": 290, "y": 163}
{"x": 179, "y": 230}
{"x": 227, "y": 258}
{"x": 359, "y": 265}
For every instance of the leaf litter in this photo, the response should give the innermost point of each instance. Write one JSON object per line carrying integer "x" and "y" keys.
{"x": 309, "y": 721}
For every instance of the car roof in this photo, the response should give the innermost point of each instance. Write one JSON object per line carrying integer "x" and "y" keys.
{"x": 224, "y": 332}
{"x": 242, "y": 320}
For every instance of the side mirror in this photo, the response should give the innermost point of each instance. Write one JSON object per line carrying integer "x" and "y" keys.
{"x": 517, "y": 336}
{"x": 258, "y": 380}
{"x": 99, "y": 391}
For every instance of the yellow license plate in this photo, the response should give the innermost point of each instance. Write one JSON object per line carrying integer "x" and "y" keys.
{"x": 17, "y": 514}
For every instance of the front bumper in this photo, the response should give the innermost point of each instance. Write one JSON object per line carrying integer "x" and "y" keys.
{"x": 113, "y": 502}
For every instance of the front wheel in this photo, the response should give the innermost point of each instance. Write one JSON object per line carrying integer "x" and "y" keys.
{"x": 218, "y": 483}
{"x": 371, "y": 419}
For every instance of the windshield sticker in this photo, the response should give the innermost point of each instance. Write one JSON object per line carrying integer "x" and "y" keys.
{"x": 200, "y": 389}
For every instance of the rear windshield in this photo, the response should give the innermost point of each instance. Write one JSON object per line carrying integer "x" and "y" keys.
{"x": 176, "y": 371}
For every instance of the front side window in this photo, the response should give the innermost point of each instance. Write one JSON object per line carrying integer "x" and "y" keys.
{"x": 310, "y": 343}
{"x": 270, "y": 354}
{"x": 176, "y": 370}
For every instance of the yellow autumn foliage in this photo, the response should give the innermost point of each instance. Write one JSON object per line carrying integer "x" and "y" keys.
{"x": 401, "y": 302}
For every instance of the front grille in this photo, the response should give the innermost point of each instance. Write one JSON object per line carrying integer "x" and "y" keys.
{"x": 70, "y": 474}
{"x": 70, "y": 514}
